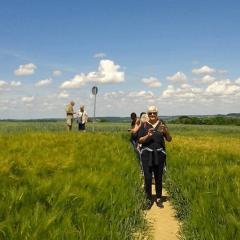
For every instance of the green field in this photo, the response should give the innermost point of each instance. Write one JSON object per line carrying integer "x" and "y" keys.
{"x": 60, "y": 185}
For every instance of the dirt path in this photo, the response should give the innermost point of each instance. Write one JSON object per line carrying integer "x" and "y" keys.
{"x": 164, "y": 226}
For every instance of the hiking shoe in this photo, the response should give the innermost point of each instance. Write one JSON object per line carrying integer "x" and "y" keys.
{"x": 159, "y": 202}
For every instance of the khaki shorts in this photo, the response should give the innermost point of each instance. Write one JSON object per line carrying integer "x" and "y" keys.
{"x": 69, "y": 121}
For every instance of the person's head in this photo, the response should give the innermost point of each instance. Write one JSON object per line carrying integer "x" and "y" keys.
{"x": 82, "y": 108}
{"x": 144, "y": 118}
{"x": 152, "y": 114}
{"x": 133, "y": 115}
{"x": 142, "y": 114}
{"x": 72, "y": 103}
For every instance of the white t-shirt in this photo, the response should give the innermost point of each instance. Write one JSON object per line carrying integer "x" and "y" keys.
{"x": 82, "y": 117}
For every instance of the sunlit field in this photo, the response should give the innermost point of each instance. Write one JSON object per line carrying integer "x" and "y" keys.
{"x": 203, "y": 179}
{"x": 69, "y": 186}
{"x": 60, "y": 185}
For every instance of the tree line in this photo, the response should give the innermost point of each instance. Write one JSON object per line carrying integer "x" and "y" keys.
{"x": 213, "y": 120}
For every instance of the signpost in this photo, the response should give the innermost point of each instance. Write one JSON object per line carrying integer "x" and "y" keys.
{"x": 94, "y": 92}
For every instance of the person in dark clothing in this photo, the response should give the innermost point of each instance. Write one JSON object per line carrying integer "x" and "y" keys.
{"x": 134, "y": 123}
{"x": 152, "y": 136}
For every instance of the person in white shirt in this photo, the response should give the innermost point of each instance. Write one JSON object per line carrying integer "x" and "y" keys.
{"x": 82, "y": 118}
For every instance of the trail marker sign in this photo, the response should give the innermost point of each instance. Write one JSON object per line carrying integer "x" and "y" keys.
{"x": 94, "y": 92}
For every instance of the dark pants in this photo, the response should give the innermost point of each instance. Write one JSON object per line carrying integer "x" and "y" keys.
{"x": 157, "y": 170}
{"x": 81, "y": 126}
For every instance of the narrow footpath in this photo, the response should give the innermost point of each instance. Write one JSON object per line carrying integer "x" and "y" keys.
{"x": 163, "y": 224}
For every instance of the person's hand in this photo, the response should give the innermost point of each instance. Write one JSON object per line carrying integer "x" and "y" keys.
{"x": 150, "y": 132}
{"x": 163, "y": 128}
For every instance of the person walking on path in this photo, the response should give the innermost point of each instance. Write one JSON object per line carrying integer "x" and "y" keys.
{"x": 152, "y": 136}
{"x": 69, "y": 115}
{"x": 82, "y": 118}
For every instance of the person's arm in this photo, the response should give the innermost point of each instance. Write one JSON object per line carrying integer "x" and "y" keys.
{"x": 147, "y": 136}
{"x": 166, "y": 133}
{"x": 136, "y": 127}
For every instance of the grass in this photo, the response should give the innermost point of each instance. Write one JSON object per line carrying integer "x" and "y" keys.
{"x": 69, "y": 186}
{"x": 204, "y": 181}
{"x": 61, "y": 185}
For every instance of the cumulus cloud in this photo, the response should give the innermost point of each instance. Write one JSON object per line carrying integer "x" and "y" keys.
{"x": 203, "y": 70}
{"x": 28, "y": 99}
{"x": 15, "y": 83}
{"x": 63, "y": 94}
{"x": 207, "y": 79}
{"x": 114, "y": 94}
{"x": 3, "y": 84}
{"x": 178, "y": 77}
{"x": 223, "y": 87}
{"x": 24, "y": 70}
{"x": 237, "y": 81}
{"x": 44, "y": 82}
{"x": 56, "y": 73}
{"x": 100, "y": 55}
{"x": 141, "y": 94}
{"x": 152, "y": 82}
{"x": 76, "y": 82}
{"x": 184, "y": 91}
{"x": 108, "y": 72}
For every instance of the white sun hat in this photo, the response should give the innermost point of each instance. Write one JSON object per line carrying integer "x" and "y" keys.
{"x": 152, "y": 109}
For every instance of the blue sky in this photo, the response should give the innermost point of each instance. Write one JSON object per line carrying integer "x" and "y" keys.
{"x": 182, "y": 56}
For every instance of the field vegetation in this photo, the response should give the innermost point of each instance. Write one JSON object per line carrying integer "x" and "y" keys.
{"x": 203, "y": 179}
{"x": 60, "y": 185}
{"x": 68, "y": 186}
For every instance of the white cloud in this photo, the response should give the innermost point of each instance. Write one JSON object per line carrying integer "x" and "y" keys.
{"x": 27, "y": 99}
{"x": 141, "y": 94}
{"x": 168, "y": 92}
{"x": 237, "y": 81}
{"x": 223, "y": 87}
{"x": 185, "y": 91}
{"x": 207, "y": 79}
{"x": 15, "y": 83}
{"x": 108, "y": 72}
{"x": 76, "y": 82}
{"x": 203, "y": 70}
{"x": 56, "y": 73}
{"x": 63, "y": 94}
{"x": 113, "y": 94}
{"x": 152, "y": 82}
{"x": 3, "y": 84}
{"x": 44, "y": 82}
{"x": 24, "y": 70}
{"x": 178, "y": 77}
{"x": 100, "y": 55}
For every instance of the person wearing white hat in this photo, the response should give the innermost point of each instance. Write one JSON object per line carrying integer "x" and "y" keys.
{"x": 152, "y": 136}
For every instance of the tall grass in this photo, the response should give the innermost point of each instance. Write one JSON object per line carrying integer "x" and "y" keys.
{"x": 68, "y": 186}
{"x": 204, "y": 181}
{"x": 60, "y": 185}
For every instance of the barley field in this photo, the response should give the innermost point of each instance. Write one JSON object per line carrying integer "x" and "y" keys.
{"x": 68, "y": 186}
{"x": 59, "y": 185}
{"x": 203, "y": 179}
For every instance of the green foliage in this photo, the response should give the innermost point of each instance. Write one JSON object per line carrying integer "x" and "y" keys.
{"x": 216, "y": 120}
{"x": 69, "y": 186}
